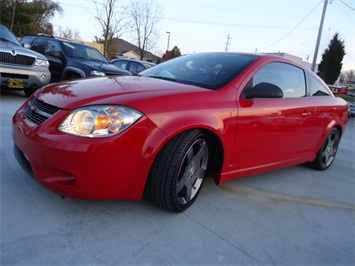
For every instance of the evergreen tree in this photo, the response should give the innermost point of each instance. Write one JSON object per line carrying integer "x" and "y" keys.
{"x": 175, "y": 52}
{"x": 28, "y": 17}
{"x": 330, "y": 66}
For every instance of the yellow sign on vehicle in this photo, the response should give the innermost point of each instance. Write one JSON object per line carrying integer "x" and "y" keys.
{"x": 15, "y": 83}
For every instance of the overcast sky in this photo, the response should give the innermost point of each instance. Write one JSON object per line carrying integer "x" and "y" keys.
{"x": 289, "y": 26}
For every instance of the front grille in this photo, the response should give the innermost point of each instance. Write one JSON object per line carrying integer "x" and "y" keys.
{"x": 38, "y": 111}
{"x": 14, "y": 76}
{"x": 16, "y": 59}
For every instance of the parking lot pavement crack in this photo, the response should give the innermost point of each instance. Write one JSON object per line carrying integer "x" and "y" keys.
{"x": 222, "y": 238}
{"x": 262, "y": 196}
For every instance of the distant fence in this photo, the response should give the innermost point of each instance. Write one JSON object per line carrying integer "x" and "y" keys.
{"x": 98, "y": 46}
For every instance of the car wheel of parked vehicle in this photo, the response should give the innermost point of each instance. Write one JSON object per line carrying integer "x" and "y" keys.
{"x": 327, "y": 152}
{"x": 179, "y": 170}
{"x": 74, "y": 76}
{"x": 29, "y": 91}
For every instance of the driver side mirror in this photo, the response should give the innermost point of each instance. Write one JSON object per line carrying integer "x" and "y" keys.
{"x": 263, "y": 90}
{"x": 26, "y": 45}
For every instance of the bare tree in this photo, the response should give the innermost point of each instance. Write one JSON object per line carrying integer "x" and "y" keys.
{"x": 144, "y": 16}
{"x": 350, "y": 76}
{"x": 110, "y": 20}
{"x": 68, "y": 33}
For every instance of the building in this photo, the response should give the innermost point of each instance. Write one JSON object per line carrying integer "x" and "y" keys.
{"x": 129, "y": 50}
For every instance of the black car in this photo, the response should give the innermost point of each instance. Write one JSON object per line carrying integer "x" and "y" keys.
{"x": 71, "y": 60}
{"x": 132, "y": 65}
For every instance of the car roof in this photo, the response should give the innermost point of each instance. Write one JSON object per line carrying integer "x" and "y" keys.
{"x": 132, "y": 60}
{"x": 43, "y": 35}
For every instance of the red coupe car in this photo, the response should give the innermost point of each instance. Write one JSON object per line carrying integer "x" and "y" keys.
{"x": 219, "y": 115}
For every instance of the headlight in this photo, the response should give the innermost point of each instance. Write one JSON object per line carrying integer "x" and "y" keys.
{"x": 99, "y": 121}
{"x": 95, "y": 73}
{"x": 41, "y": 63}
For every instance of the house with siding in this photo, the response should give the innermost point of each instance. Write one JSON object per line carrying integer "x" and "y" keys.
{"x": 129, "y": 50}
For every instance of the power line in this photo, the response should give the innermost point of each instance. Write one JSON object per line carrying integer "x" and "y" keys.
{"x": 283, "y": 37}
{"x": 353, "y": 9}
{"x": 193, "y": 21}
{"x": 222, "y": 24}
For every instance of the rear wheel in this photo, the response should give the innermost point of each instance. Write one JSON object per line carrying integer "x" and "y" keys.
{"x": 178, "y": 172}
{"x": 327, "y": 152}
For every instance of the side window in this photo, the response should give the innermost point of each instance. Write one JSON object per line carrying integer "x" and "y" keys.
{"x": 290, "y": 79}
{"x": 135, "y": 67}
{"x": 121, "y": 64}
{"x": 27, "y": 39}
{"x": 39, "y": 45}
{"x": 52, "y": 49}
{"x": 140, "y": 68}
{"x": 317, "y": 88}
{"x": 92, "y": 54}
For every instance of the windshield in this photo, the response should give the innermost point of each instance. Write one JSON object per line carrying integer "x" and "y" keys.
{"x": 8, "y": 36}
{"x": 207, "y": 70}
{"x": 80, "y": 51}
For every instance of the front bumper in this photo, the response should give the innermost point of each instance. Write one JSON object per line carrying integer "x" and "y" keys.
{"x": 107, "y": 168}
{"x": 31, "y": 76}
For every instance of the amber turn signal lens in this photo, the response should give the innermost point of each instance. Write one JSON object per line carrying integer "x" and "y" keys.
{"x": 102, "y": 122}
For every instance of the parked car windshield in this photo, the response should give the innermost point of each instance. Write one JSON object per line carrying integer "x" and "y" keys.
{"x": 211, "y": 71}
{"x": 6, "y": 35}
{"x": 79, "y": 51}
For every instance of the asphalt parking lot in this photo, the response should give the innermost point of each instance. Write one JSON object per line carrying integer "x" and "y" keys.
{"x": 293, "y": 216}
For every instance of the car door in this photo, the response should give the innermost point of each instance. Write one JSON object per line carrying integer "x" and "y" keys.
{"x": 54, "y": 53}
{"x": 123, "y": 64}
{"x": 135, "y": 68}
{"x": 38, "y": 44}
{"x": 274, "y": 130}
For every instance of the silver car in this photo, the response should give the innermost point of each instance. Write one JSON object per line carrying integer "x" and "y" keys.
{"x": 351, "y": 109}
{"x": 21, "y": 68}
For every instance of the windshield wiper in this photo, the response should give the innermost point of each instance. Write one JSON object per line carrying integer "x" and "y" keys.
{"x": 161, "y": 77}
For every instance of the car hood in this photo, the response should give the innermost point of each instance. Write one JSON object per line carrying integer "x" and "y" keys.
{"x": 100, "y": 66}
{"x": 129, "y": 90}
{"x": 14, "y": 49}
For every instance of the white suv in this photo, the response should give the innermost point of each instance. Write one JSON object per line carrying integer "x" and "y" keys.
{"x": 21, "y": 68}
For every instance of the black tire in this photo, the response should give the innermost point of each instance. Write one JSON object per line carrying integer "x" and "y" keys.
{"x": 74, "y": 77}
{"x": 178, "y": 172}
{"x": 327, "y": 152}
{"x": 29, "y": 91}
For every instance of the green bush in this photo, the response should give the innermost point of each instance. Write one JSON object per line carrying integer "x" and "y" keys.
{"x": 348, "y": 98}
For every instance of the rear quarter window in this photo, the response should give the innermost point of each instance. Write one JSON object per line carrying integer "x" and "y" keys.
{"x": 317, "y": 88}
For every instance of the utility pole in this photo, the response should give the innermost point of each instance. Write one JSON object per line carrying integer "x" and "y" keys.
{"x": 167, "y": 48}
{"x": 13, "y": 4}
{"x": 319, "y": 35}
{"x": 227, "y": 43}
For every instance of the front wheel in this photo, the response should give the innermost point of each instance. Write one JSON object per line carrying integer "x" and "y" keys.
{"x": 178, "y": 172}
{"x": 327, "y": 152}
{"x": 29, "y": 91}
{"x": 74, "y": 76}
